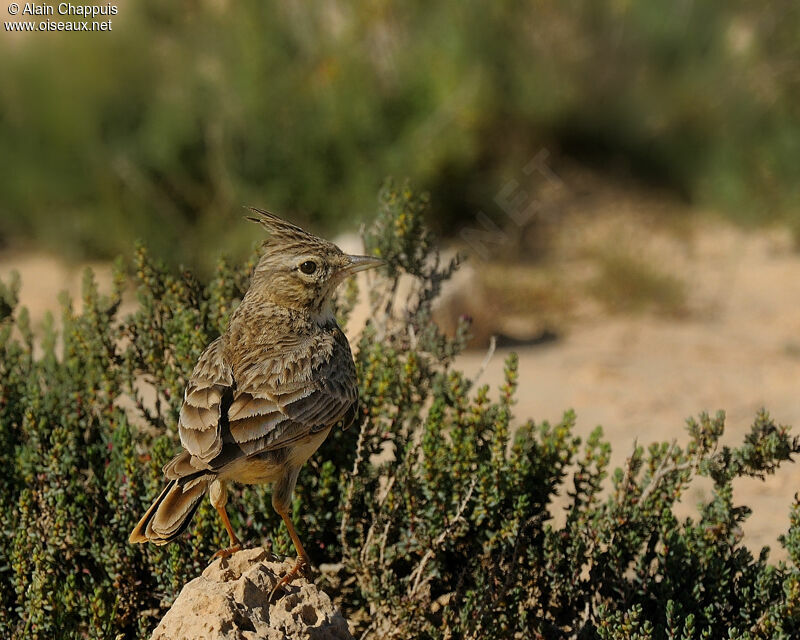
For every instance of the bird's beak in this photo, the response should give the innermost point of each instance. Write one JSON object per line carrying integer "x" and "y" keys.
{"x": 360, "y": 263}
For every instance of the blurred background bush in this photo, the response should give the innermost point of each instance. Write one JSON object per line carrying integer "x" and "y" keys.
{"x": 163, "y": 128}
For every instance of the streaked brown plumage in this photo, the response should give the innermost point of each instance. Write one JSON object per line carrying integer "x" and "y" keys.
{"x": 265, "y": 394}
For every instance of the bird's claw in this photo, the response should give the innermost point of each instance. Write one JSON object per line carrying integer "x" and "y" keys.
{"x": 228, "y": 552}
{"x": 301, "y": 567}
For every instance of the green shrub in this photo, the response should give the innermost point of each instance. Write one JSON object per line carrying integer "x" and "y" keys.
{"x": 435, "y": 510}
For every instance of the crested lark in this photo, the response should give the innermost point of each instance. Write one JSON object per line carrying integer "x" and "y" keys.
{"x": 265, "y": 394}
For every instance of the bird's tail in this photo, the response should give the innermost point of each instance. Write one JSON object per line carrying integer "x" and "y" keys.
{"x": 172, "y": 511}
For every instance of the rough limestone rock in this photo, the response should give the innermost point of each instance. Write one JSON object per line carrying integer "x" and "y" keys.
{"x": 229, "y": 602}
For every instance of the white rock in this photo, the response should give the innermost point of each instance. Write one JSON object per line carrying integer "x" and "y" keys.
{"x": 229, "y": 602}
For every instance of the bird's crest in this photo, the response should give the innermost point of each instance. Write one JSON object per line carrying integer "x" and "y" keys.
{"x": 280, "y": 231}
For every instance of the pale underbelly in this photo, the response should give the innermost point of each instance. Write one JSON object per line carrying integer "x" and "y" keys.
{"x": 271, "y": 466}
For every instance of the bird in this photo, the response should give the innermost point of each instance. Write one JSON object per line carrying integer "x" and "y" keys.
{"x": 264, "y": 395}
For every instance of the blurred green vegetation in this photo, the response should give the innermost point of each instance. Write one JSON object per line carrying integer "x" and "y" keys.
{"x": 163, "y": 128}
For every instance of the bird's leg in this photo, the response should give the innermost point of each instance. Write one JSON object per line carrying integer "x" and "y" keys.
{"x": 302, "y": 556}
{"x": 219, "y": 497}
{"x": 235, "y": 544}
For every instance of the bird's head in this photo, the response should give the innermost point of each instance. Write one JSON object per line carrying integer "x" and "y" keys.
{"x": 299, "y": 270}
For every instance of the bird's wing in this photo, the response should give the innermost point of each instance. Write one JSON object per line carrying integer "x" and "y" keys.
{"x": 279, "y": 400}
{"x": 276, "y": 397}
{"x": 207, "y": 391}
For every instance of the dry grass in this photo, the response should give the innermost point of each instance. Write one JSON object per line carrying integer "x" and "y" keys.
{"x": 626, "y": 283}
{"x": 518, "y": 303}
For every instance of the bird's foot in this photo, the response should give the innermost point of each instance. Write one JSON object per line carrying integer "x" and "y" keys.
{"x": 302, "y": 566}
{"x": 228, "y": 552}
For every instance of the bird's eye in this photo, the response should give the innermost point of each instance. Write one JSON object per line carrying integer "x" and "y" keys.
{"x": 308, "y": 267}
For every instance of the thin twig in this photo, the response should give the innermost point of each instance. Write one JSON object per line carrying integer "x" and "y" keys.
{"x": 628, "y": 478}
{"x": 417, "y": 575}
{"x": 367, "y": 630}
{"x": 384, "y": 539}
{"x": 386, "y": 490}
{"x": 367, "y": 543}
{"x": 528, "y": 524}
{"x": 489, "y": 354}
{"x": 658, "y": 475}
{"x": 412, "y": 337}
{"x": 663, "y": 469}
{"x": 625, "y": 486}
{"x": 348, "y": 503}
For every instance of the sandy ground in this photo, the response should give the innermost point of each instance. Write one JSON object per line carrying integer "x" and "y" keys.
{"x": 639, "y": 376}
{"x": 45, "y": 277}
{"x": 642, "y": 376}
